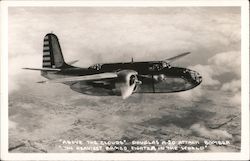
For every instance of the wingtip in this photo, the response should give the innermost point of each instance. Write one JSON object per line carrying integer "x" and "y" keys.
{"x": 169, "y": 60}
{"x": 186, "y": 53}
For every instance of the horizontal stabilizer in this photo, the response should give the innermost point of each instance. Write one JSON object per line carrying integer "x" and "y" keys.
{"x": 43, "y": 69}
{"x": 72, "y": 62}
{"x": 82, "y": 78}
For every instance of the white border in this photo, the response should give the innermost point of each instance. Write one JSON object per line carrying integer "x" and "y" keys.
{"x": 243, "y": 155}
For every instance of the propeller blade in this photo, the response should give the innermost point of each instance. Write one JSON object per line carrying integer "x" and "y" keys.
{"x": 126, "y": 91}
{"x": 169, "y": 60}
{"x": 127, "y": 83}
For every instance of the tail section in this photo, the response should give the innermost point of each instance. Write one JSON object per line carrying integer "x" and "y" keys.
{"x": 52, "y": 53}
{"x": 53, "y": 64}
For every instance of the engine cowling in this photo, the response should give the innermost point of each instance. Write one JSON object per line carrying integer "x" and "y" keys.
{"x": 126, "y": 83}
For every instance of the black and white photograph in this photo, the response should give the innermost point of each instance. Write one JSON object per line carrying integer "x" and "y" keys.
{"x": 125, "y": 79}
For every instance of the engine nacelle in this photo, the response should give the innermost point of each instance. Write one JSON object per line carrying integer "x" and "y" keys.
{"x": 126, "y": 83}
{"x": 159, "y": 78}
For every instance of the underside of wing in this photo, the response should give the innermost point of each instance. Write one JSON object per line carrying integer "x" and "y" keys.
{"x": 83, "y": 78}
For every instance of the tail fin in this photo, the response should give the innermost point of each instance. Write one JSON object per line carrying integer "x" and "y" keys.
{"x": 52, "y": 53}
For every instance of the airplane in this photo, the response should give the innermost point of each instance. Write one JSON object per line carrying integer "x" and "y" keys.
{"x": 117, "y": 79}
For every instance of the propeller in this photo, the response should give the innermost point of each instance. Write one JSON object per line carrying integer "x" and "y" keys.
{"x": 127, "y": 82}
{"x": 134, "y": 80}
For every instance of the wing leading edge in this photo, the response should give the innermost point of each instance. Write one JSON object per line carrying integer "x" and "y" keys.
{"x": 83, "y": 78}
{"x": 43, "y": 69}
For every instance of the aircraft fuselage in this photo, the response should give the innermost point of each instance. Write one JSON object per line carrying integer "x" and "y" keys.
{"x": 115, "y": 78}
{"x": 156, "y": 77}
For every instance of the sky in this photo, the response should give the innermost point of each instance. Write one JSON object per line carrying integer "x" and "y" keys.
{"x": 102, "y": 35}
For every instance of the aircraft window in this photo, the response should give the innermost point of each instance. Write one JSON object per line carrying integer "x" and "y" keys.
{"x": 96, "y": 66}
{"x": 157, "y": 67}
{"x": 185, "y": 71}
{"x": 165, "y": 64}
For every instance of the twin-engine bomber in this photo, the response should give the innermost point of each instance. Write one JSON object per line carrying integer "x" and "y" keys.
{"x": 120, "y": 79}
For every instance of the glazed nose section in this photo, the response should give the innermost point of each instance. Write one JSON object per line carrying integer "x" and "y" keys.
{"x": 197, "y": 78}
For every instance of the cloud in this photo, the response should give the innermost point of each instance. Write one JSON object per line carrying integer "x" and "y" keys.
{"x": 203, "y": 131}
{"x": 233, "y": 86}
{"x": 214, "y": 148}
{"x": 156, "y": 33}
{"x": 207, "y": 72}
{"x": 18, "y": 76}
{"x": 192, "y": 95}
{"x": 236, "y": 99}
{"x": 222, "y": 71}
{"x": 12, "y": 124}
{"x": 225, "y": 63}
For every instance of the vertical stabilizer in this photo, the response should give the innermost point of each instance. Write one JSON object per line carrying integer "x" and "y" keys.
{"x": 52, "y": 53}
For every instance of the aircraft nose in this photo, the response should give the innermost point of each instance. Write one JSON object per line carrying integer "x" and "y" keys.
{"x": 196, "y": 76}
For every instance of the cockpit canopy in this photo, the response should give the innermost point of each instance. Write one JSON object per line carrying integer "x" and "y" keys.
{"x": 151, "y": 66}
{"x": 159, "y": 66}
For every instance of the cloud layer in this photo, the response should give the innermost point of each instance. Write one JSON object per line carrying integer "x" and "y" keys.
{"x": 202, "y": 131}
{"x": 222, "y": 73}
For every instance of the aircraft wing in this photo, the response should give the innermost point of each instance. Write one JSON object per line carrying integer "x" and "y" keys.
{"x": 82, "y": 78}
{"x": 43, "y": 69}
{"x": 169, "y": 60}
